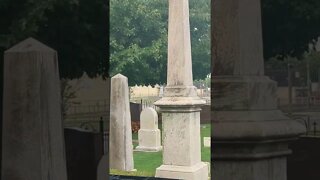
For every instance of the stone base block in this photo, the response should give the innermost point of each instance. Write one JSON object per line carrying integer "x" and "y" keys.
{"x": 262, "y": 169}
{"x": 148, "y": 149}
{"x": 196, "y": 172}
{"x": 149, "y": 140}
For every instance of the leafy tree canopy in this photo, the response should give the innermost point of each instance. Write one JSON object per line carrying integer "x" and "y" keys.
{"x": 289, "y": 26}
{"x": 138, "y": 39}
{"x": 77, "y": 29}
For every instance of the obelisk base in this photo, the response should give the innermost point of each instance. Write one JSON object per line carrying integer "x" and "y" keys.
{"x": 263, "y": 169}
{"x": 250, "y": 134}
{"x": 148, "y": 149}
{"x": 181, "y": 139}
{"x": 195, "y": 172}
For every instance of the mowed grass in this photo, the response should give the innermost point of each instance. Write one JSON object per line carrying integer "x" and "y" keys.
{"x": 146, "y": 162}
{"x": 134, "y": 173}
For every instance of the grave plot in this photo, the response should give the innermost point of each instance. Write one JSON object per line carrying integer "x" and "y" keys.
{"x": 147, "y": 162}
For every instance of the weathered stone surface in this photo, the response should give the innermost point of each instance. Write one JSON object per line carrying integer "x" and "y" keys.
{"x": 120, "y": 140}
{"x": 149, "y": 119}
{"x": 237, "y": 38}
{"x": 179, "y": 46}
{"x": 180, "y": 105}
{"x": 264, "y": 169}
{"x": 33, "y": 138}
{"x": 250, "y": 135}
{"x": 179, "y": 80}
{"x": 244, "y": 92}
{"x": 196, "y": 171}
{"x": 181, "y": 138}
{"x": 102, "y": 170}
{"x": 149, "y": 135}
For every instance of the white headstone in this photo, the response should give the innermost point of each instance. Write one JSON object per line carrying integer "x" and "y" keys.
{"x": 149, "y": 135}
{"x": 206, "y": 141}
{"x": 120, "y": 140}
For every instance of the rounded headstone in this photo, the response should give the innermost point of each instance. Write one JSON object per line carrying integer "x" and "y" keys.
{"x": 149, "y": 119}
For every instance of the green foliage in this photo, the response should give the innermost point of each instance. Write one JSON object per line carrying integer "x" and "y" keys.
{"x": 200, "y": 37}
{"x": 289, "y": 26}
{"x": 77, "y": 29}
{"x": 138, "y": 39}
{"x": 20, "y": 19}
{"x": 280, "y": 65}
{"x": 206, "y": 82}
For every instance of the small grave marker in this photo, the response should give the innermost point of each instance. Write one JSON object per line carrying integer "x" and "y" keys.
{"x": 207, "y": 141}
{"x": 149, "y": 135}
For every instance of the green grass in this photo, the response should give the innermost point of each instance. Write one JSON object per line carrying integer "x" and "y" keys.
{"x": 134, "y": 173}
{"x": 205, "y": 151}
{"x": 147, "y": 162}
{"x": 135, "y": 136}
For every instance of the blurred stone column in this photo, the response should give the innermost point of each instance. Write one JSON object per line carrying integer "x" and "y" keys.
{"x": 250, "y": 134}
{"x": 180, "y": 106}
{"x": 33, "y": 140}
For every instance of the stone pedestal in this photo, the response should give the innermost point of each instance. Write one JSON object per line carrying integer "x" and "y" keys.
{"x": 197, "y": 171}
{"x": 250, "y": 134}
{"x": 33, "y": 138}
{"x": 149, "y": 140}
{"x": 120, "y": 140}
{"x": 181, "y": 139}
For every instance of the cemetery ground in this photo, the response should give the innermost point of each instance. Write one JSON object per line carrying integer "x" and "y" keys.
{"x": 146, "y": 162}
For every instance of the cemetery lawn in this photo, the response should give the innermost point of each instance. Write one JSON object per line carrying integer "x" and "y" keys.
{"x": 147, "y": 162}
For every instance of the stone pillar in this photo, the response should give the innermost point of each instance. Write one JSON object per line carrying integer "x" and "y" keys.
{"x": 33, "y": 140}
{"x": 250, "y": 134}
{"x": 149, "y": 135}
{"x": 120, "y": 137}
{"x": 102, "y": 168}
{"x": 180, "y": 106}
